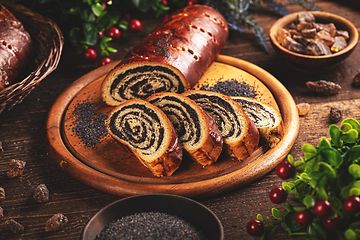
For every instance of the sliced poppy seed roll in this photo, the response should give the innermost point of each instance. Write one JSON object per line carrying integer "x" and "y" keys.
{"x": 148, "y": 134}
{"x": 172, "y": 58}
{"x": 196, "y": 130}
{"x": 240, "y": 134}
{"x": 267, "y": 119}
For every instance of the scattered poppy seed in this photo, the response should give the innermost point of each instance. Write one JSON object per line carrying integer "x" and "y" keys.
{"x": 89, "y": 124}
{"x": 232, "y": 87}
{"x": 150, "y": 225}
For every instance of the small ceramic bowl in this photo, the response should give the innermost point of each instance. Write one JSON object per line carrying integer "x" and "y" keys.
{"x": 309, "y": 63}
{"x": 202, "y": 218}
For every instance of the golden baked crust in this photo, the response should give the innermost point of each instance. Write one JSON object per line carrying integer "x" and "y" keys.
{"x": 146, "y": 131}
{"x": 196, "y": 130}
{"x": 267, "y": 119}
{"x": 240, "y": 134}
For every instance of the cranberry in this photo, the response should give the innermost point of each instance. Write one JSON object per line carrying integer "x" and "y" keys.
{"x": 331, "y": 223}
{"x": 278, "y": 195}
{"x": 89, "y": 55}
{"x": 255, "y": 227}
{"x": 135, "y": 25}
{"x": 104, "y": 60}
{"x": 285, "y": 170}
{"x": 304, "y": 217}
{"x": 191, "y": 2}
{"x": 100, "y": 36}
{"x": 113, "y": 32}
{"x": 322, "y": 208}
{"x": 164, "y": 2}
{"x": 104, "y": 6}
{"x": 126, "y": 17}
{"x": 352, "y": 204}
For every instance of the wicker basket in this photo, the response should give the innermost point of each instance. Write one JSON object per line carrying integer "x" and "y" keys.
{"x": 48, "y": 42}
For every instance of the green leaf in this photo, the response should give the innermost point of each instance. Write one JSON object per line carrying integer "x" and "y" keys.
{"x": 324, "y": 143}
{"x": 299, "y": 208}
{"x": 353, "y": 153}
{"x": 354, "y": 170}
{"x": 309, "y": 201}
{"x": 277, "y": 214}
{"x": 288, "y": 207}
{"x": 316, "y": 231}
{"x": 142, "y": 5}
{"x": 331, "y": 156}
{"x": 260, "y": 218}
{"x": 350, "y": 136}
{"x": 91, "y": 34}
{"x": 355, "y": 191}
{"x": 110, "y": 49}
{"x": 350, "y": 234}
{"x": 290, "y": 159}
{"x": 327, "y": 169}
{"x": 97, "y": 9}
{"x": 309, "y": 151}
{"x": 334, "y": 133}
{"x": 354, "y": 124}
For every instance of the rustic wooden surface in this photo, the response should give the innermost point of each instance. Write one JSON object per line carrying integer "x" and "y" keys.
{"x": 22, "y": 135}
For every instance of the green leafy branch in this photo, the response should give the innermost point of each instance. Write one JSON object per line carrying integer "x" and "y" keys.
{"x": 329, "y": 171}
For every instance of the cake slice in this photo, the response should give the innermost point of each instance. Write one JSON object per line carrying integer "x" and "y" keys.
{"x": 267, "y": 119}
{"x": 240, "y": 134}
{"x": 196, "y": 130}
{"x": 146, "y": 131}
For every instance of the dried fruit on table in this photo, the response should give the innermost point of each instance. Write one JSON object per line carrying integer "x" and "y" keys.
{"x": 303, "y": 108}
{"x": 14, "y": 226}
{"x": 318, "y": 48}
{"x": 293, "y": 45}
{"x": 2, "y": 194}
{"x": 41, "y": 193}
{"x": 56, "y": 222}
{"x": 335, "y": 115}
{"x": 324, "y": 87}
{"x": 16, "y": 168}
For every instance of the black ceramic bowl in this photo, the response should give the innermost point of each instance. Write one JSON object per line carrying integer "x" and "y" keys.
{"x": 202, "y": 218}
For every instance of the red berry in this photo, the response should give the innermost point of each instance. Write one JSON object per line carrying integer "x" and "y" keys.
{"x": 113, "y": 32}
{"x": 104, "y": 6}
{"x": 322, "y": 208}
{"x": 89, "y": 55}
{"x": 304, "y": 217}
{"x": 190, "y": 2}
{"x": 126, "y": 17}
{"x": 104, "y": 60}
{"x": 255, "y": 227}
{"x": 135, "y": 25}
{"x": 285, "y": 170}
{"x": 164, "y": 2}
{"x": 352, "y": 204}
{"x": 278, "y": 195}
{"x": 331, "y": 223}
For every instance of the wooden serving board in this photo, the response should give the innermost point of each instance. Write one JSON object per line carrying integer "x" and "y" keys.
{"x": 112, "y": 168}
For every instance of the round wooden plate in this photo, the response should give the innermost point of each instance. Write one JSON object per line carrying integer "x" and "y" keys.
{"x": 113, "y": 169}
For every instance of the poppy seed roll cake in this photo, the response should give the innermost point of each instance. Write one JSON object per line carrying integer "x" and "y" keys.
{"x": 267, "y": 119}
{"x": 146, "y": 131}
{"x": 172, "y": 58}
{"x": 239, "y": 133}
{"x": 196, "y": 130}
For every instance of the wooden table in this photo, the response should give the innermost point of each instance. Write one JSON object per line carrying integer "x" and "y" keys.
{"x": 22, "y": 134}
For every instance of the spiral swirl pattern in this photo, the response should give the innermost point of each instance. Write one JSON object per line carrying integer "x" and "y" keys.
{"x": 144, "y": 80}
{"x": 139, "y": 126}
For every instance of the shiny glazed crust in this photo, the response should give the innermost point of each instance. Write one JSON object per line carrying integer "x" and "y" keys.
{"x": 187, "y": 43}
{"x": 241, "y": 146}
{"x": 209, "y": 146}
{"x": 163, "y": 161}
{"x": 15, "y": 47}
